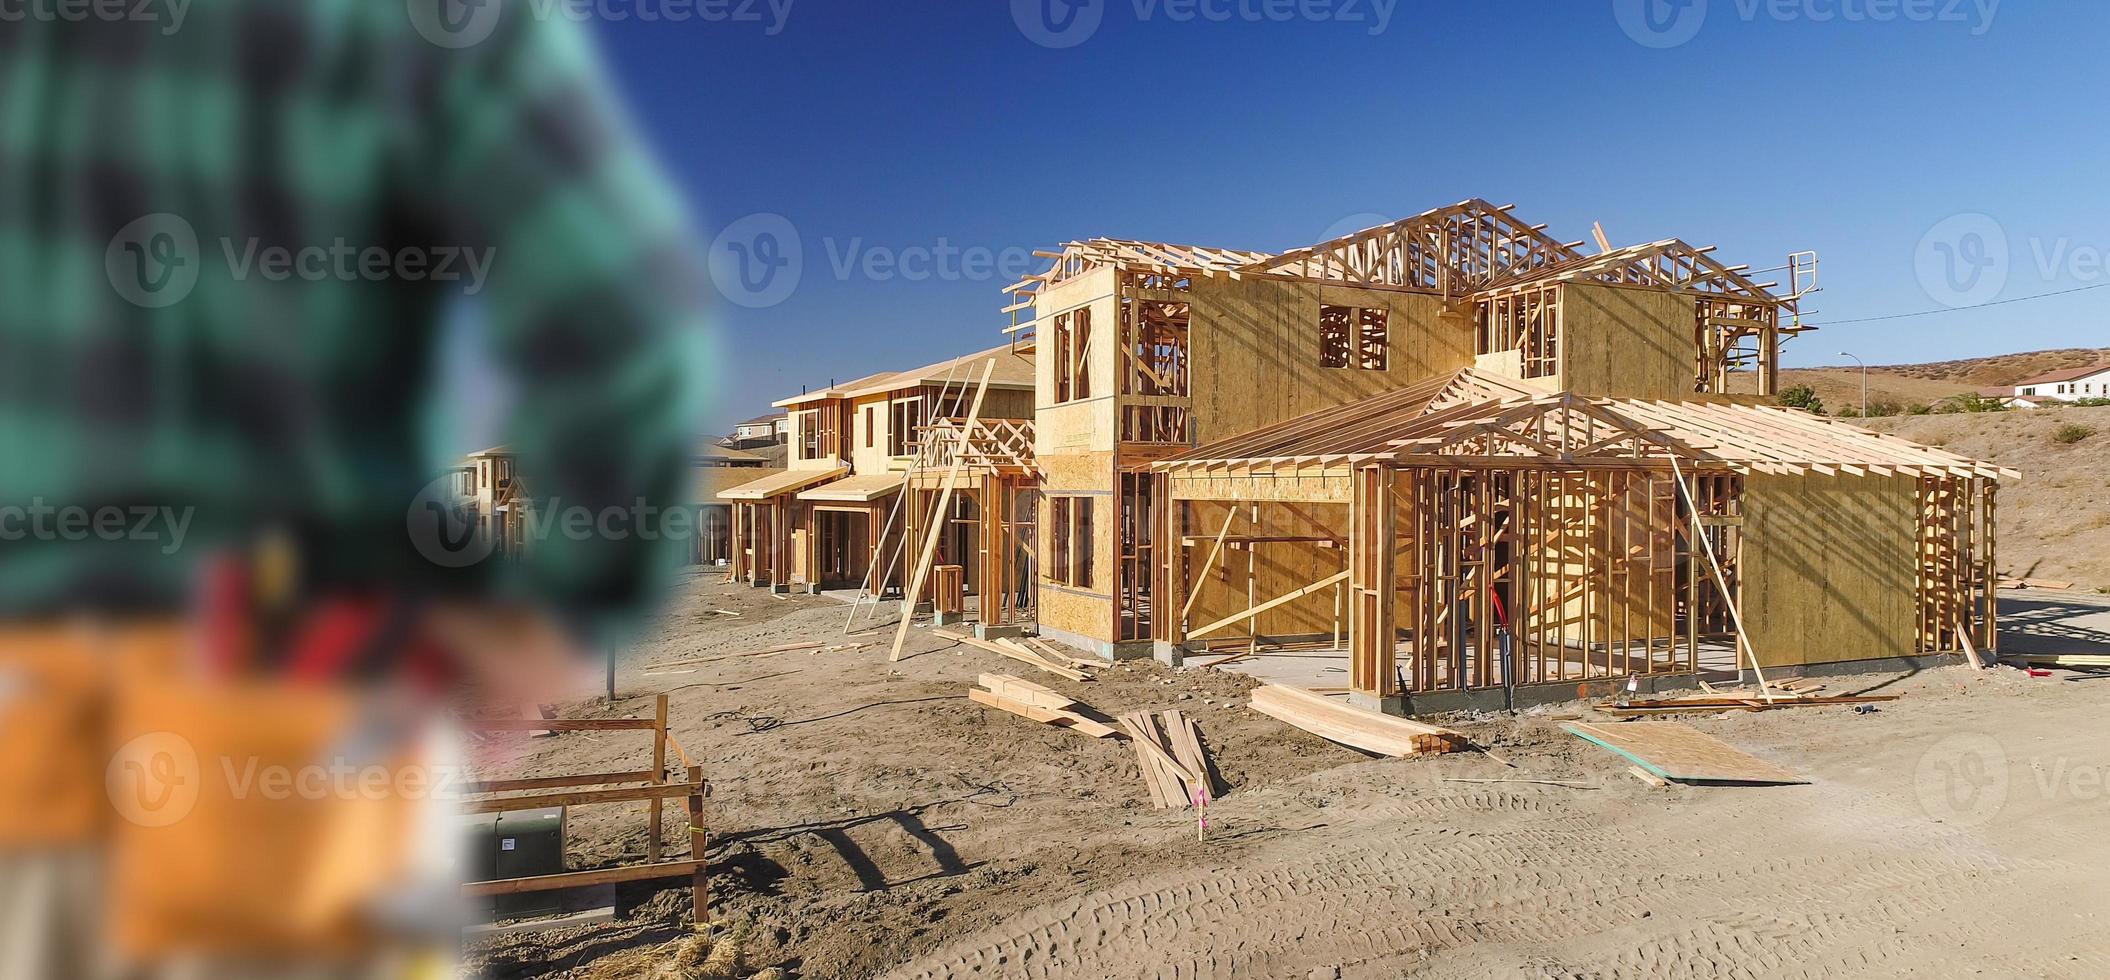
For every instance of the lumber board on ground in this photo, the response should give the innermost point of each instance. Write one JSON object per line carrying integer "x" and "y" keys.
{"x": 1337, "y": 721}
{"x": 1186, "y": 747}
{"x": 1694, "y": 705}
{"x": 1055, "y": 655}
{"x": 1169, "y": 751}
{"x": 1020, "y": 689}
{"x": 1018, "y": 653}
{"x": 1677, "y": 752}
{"x": 2059, "y": 659}
{"x": 1049, "y": 716}
{"x": 1155, "y": 779}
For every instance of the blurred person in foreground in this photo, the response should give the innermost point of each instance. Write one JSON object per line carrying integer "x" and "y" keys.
{"x": 224, "y": 630}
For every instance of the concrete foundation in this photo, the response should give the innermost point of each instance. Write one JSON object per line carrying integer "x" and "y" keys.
{"x": 1125, "y": 650}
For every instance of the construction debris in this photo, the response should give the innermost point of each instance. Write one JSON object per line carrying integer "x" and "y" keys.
{"x": 2070, "y": 661}
{"x": 765, "y": 652}
{"x": 1356, "y": 728}
{"x": 1029, "y": 700}
{"x": 1016, "y": 651}
{"x": 1169, "y": 750}
{"x": 2035, "y": 583}
{"x": 1729, "y": 701}
{"x": 1676, "y": 752}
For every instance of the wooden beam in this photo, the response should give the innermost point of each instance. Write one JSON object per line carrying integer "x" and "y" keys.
{"x": 1324, "y": 583}
{"x": 1207, "y": 566}
{"x": 583, "y": 798}
{"x": 581, "y": 879}
{"x": 937, "y": 525}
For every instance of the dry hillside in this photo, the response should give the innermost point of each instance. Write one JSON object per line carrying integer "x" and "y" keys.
{"x": 1905, "y": 384}
{"x": 2055, "y": 521}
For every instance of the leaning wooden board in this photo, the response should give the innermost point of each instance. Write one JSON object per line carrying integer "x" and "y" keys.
{"x": 1680, "y": 753}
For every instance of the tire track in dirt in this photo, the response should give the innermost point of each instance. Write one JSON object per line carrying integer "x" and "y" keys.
{"x": 1480, "y": 877}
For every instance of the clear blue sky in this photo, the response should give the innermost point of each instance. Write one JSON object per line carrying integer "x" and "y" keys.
{"x": 889, "y": 127}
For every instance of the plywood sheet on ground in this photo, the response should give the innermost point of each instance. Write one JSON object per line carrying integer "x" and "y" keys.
{"x": 1675, "y": 751}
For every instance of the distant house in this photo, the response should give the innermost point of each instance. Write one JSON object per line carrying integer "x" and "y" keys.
{"x": 775, "y": 427}
{"x": 2069, "y": 385}
{"x": 2007, "y": 397}
{"x": 487, "y": 490}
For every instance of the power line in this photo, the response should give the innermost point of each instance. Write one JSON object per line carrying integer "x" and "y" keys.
{"x": 1961, "y": 309}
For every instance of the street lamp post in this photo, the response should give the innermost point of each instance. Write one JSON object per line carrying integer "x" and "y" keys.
{"x": 1864, "y": 382}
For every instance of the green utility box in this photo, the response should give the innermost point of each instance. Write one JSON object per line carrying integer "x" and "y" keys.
{"x": 516, "y": 844}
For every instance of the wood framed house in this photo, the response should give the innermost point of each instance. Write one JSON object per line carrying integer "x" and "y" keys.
{"x": 1185, "y": 393}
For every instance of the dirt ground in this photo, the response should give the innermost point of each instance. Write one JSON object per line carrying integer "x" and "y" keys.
{"x": 870, "y": 820}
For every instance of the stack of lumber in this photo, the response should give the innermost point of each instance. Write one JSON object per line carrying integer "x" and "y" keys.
{"x": 1169, "y": 750}
{"x": 1065, "y": 667}
{"x": 1668, "y": 750}
{"x": 1792, "y": 694}
{"x": 2071, "y": 661}
{"x": 1356, "y": 728}
{"x": 2035, "y": 583}
{"x": 1029, "y": 700}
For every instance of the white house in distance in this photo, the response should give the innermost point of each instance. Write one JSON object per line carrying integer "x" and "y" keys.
{"x": 774, "y": 427}
{"x": 2068, "y": 385}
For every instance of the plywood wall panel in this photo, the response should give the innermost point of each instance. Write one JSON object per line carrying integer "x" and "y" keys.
{"x": 1828, "y": 567}
{"x": 1625, "y": 342}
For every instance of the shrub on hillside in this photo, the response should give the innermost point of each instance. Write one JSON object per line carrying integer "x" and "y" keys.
{"x": 1803, "y": 397}
{"x": 2070, "y": 433}
{"x": 1970, "y": 402}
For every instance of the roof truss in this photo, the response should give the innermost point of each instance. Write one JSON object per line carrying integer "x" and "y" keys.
{"x": 1453, "y": 250}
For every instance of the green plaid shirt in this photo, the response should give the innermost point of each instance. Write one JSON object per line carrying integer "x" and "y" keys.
{"x": 230, "y": 243}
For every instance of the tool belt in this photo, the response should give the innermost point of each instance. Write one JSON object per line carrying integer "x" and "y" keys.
{"x": 240, "y": 811}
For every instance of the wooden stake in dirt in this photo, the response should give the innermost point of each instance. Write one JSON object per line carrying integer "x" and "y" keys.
{"x": 938, "y": 523}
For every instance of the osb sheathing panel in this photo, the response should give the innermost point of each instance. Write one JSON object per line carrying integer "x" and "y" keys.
{"x": 1624, "y": 342}
{"x": 868, "y": 446}
{"x": 1315, "y": 489}
{"x": 1077, "y": 471}
{"x": 1085, "y": 423}
{"x": 1827, "y": 567}
{"x": 1088, "y": 616}
{"x": 1277, "y": 568}
{"x": 1255, "y": 350}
